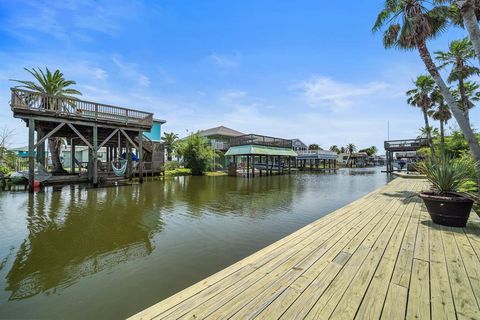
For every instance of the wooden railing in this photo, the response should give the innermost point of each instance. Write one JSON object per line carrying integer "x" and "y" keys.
{"x": 75, "y": 108}
{"x": 260, "y": 140}
{"x": 406, "y": 143}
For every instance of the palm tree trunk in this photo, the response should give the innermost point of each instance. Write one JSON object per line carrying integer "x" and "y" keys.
{"x": 463, "y": 99}
{"x": 54, "y": 148}
{"x": 471, "y": 23}
{"x": 427, "y": 130}
{"x": 456, "y": 111}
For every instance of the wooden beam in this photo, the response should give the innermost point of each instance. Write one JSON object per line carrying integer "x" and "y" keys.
{"x": 95, "y": 156}
{"x": 140, "y": 156}
{"x": 128, "y": 138}
{"x": 80, "y": 135}
{"x": 31, "y": 151}
{"x": 48, "y": 135}
{"x": 108, "y": 138}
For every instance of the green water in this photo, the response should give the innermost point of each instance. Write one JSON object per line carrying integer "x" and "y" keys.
{"x": 108, "y": 253}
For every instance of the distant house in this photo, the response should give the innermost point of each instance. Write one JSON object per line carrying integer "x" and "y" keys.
{"x": 21, "y": 152}
{"x": 298, "y": 145}
{"x": 356, "y": 159}
{"x": 219, "y": 138}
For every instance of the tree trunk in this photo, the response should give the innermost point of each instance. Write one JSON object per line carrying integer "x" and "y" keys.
{"x": 463, "y": 99}
{"x": 427, "y": 131}
{"x": 471, "y": 23}
{"x": 54, "y": 148}
{"x": 456, "y": 111}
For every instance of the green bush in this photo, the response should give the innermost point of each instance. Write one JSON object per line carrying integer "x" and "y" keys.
{"x": 4, "y": 170}
{"x": 171, "y": 165}
{"x": 197, "y": 153}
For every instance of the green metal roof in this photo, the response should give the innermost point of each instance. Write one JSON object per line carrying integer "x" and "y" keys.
{"x": 251, "y": 149}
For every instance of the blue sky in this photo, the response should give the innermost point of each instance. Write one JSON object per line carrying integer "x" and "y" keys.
{"x": 295, "y": 69}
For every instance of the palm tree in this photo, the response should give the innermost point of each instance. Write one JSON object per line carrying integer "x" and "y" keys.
{"x": 420, "y": 97}
{"x": 313, "y": 146}
{"x": 442, "y": 114}
{"x": 170, "y": 142}
{"x": 465, "y": 14}
{"x": 334, "y": 148}
{"x": 374, "y": 150}
{"x": 350, "y": 149}
{"x": 409, "y": 25}
{"x": 458, "y": 57}
{"x": 471, "y": 95}
{"x": 53, "y": 84}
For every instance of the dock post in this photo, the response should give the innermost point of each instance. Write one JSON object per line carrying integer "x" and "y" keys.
{"x": 140, "y": 156}
{"x": 289, "y": 165}
{"x": 128, "y": 152}
{"x": 95, "y": 156}
{"x": 31, "y": 156}
{"x": 253, "y": 166}
{"x": 267, "y": 166}
{"x": 248, "y": 166}
{"x": 72, "y": 155}
{"x": 40, "y": 147}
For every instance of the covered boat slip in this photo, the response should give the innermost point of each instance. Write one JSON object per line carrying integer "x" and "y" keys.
{"x": 380, "y": 257}
{"x": 83, "y": 123}
{"x": 312, "y": 159}
{"x": 266, "y": 154}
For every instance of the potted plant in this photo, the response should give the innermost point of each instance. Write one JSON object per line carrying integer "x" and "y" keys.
{"x": 444, "y": 203}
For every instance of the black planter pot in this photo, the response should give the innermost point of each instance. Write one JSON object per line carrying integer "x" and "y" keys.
{"x": 450, "y": 209}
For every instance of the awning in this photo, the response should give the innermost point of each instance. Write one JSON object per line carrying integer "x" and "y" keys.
{"x": 260, "y": 150}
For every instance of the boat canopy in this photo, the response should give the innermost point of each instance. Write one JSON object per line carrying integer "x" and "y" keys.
{"x": 252, "y": 149}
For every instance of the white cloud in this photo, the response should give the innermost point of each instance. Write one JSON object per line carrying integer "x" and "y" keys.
{"x": 225, "y": 61}
{"x": 324, "y": 91}
{"x": 130, "y": 70}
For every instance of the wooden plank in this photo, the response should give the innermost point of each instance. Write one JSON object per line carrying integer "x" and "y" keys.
{"x": 463, "y": 296}
{"x": 442, "y": 304}
{"x": 372, "y": 303}
{"x": 418, "y": 304}
{"x": 80, "y": 135}
{"x": 470, "y": 260}
{"x": 395, "y": 303}
{"x": 344, "y": 300}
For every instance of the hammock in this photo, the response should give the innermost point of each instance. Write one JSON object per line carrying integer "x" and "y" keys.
{"x": 120, "y": 171}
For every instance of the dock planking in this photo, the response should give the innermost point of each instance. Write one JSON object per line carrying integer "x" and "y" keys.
{"x": 379, "y": 257}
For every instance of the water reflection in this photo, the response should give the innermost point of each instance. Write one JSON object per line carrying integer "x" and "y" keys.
{"x": 76, "y": 232}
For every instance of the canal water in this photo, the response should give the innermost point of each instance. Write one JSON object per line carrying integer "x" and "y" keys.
{"x": 107, "y": 253}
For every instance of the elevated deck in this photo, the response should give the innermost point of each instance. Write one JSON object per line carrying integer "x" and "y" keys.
{"x": 379, "y": 257}
{"x": 26, "y": 104}
{"x": 317, "y": 154}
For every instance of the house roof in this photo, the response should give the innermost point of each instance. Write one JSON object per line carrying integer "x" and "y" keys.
{"x": 220, "y": 131}
{"x": 260, "y": 150}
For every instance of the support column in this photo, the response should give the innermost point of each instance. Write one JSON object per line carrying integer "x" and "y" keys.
{"x": 253, "y": 166}
{"x": 95, "y": 155}
{"x": 140, "y": 156}
{"x": 289, "y": 165}
{"x": 72, "y": 155}
{"x": 31, "y": 157}
{"x": 267, "y": 166}
{"x": 129, "y": 160}
{"x": 40, "y": 147}
{"x": 248, "y": 166}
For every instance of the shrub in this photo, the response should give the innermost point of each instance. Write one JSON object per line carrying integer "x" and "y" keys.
{"x": 448, "y": 174}
{"x": 197, "y": 153}
{"x": 171, "y": 165}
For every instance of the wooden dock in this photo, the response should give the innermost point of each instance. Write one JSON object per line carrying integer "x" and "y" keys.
{"x": 379, "y": 257}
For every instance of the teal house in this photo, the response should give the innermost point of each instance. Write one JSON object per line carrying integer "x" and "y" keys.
{"x": 155, "y": 134}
